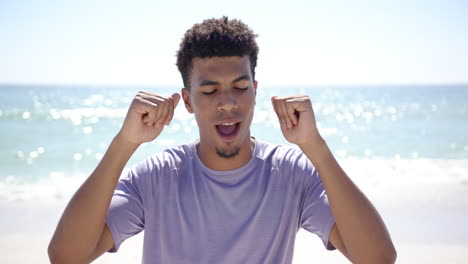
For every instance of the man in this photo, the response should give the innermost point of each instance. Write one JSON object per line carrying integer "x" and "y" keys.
{"x": 228, "y": 197}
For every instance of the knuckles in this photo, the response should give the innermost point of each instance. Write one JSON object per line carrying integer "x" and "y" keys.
{"x": 288, "y": 99}
{"x": 151, "y": 99}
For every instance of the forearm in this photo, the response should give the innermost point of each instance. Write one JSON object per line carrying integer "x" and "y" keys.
{"x": 83, "y": 220}
{"x": 361, "y": 227}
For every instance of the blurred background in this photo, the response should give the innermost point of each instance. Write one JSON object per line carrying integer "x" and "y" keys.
{"x": 388, "y": 81}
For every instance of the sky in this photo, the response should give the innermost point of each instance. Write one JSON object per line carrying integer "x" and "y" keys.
{"x": 302, "y": 42}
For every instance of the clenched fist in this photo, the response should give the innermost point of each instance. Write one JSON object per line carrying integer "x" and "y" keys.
{"x": 297, "y": 119}
{"x": 147, "y": 115}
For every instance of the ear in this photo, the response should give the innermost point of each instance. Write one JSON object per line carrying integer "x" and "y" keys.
{"x": 186, "y": 97}
{"x": 255, "y": 84}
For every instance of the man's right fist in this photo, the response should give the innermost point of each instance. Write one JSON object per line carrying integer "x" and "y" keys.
{"x": 147, "y": 115}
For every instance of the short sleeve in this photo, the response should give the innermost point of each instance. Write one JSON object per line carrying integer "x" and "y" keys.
{"x": 125, "y": 217}
{"x": 316, "y": 216}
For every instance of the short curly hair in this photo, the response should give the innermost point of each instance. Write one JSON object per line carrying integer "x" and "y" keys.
{"x": 221, "y": 37}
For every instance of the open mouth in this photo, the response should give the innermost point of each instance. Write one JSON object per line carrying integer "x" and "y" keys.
{"x": 228, "y": 131}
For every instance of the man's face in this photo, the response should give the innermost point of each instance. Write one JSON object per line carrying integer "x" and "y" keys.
{"x": 222, "y": 97}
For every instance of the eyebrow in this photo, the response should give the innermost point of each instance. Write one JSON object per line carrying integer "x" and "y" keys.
{"x": 238, "y": 79}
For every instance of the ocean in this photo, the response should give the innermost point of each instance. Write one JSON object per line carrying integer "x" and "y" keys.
{"x": 52, "y": 137}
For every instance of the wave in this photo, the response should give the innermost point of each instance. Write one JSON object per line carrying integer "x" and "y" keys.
{"x": 371, "y": 175}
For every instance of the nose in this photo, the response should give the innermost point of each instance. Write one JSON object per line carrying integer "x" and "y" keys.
{"x": 227, "y": 103}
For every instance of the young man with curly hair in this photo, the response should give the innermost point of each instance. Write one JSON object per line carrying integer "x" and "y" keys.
{"x": 227, "y": 197}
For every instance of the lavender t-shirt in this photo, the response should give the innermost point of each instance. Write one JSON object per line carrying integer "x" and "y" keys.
{"x": 193, "y": 214}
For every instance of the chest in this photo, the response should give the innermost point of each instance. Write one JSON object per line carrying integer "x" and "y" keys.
{"x": 197, "y": 202}
{"x": 198, "y": 218}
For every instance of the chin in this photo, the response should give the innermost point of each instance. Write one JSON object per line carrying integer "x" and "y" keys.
{"x": 228, "y": 153}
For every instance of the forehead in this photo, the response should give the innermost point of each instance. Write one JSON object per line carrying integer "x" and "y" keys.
{"x": 220, "y": 67}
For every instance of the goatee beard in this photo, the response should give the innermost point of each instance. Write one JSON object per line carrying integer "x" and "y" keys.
{"x": 228, "y": 154}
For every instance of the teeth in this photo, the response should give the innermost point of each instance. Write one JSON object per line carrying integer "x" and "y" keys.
{"x": 227, "y": 124}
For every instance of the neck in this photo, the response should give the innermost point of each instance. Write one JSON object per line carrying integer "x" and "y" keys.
{"x": 212, "y": 160}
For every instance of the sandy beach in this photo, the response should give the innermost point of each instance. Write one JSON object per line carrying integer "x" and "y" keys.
{"x": 32, "y": 249}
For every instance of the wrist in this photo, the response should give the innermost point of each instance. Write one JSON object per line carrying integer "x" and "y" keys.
{"x": 123, "y": 143}
{"x": 316, "y": 150}
{"x": 312, "y": 144}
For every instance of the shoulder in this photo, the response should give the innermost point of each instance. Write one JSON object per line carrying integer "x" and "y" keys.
{"x": 287, "y": 160}
{"x": 169, "y": 160}
{"x": 164, "y": 166}
{"x": 281, "y": 156}
{"x": 289, "y": 163}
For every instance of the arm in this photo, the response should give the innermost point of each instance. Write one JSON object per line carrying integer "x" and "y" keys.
{"x": 359, "y": 231}
{"x": 358, "y": 223}
{"x": 82, "y": 234}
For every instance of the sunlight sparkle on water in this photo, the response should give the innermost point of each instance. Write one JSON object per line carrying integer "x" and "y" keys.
{"x": 26, "y": 115}
{"x": 367, "y": 152}
{"x": 87, "y": 130}
{"x": 78, "y": 156}
{"x": 20, "y": 154}
{"x": 342, "y": 153}
{"x": 88, "y": 151}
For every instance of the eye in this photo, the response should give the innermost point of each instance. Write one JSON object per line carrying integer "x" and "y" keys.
{"x": 242, "y": 88}
{"x": 208, "y": 93}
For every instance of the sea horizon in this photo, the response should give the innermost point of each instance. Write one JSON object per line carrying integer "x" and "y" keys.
{"x": 53, "y": 135}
